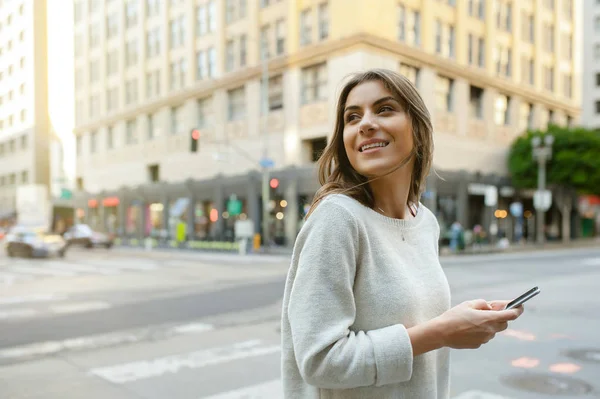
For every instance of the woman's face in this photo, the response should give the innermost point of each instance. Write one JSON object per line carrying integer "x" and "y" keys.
{"x": 377, "y": 130}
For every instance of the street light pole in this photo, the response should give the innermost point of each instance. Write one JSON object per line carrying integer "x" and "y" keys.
{"x": 542, "y": 152}
{"x": 265, "y": 166}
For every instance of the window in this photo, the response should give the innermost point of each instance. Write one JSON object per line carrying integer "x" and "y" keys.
{"x": 201, "y": 21}
{"x": 305, "y": 28}
{"x": 317, "y": 146}
{"x": 112, "y": 25}
{"x": 177, "y": 29}
{"x": 410, "y": 72}
{"x": 212, "y": 63}
{"x": 501, "y": 110}
{"x": 154, "y": 173}
{"x": 470, "y": 48}
{"x": 481, "y": 48}
{"x": 280, "y": 37}
{"x": 112, "y": 99}
{"x": 94, "y": 35}
{"x": 93, "y": 142}
{"x": 130, "y": 132}
{"x": 234, "y": 10}
{"x": 323, "y": 16}
{"x": 78, "y": 45}
{"x": 151, "y": 126}
{"x": 401, "y": 22}
{"x": 22, "y": 115}
{"x": 202, "y": 106}
{"x": 24, "y": 177}
{"x": 236, "y": 104}
{"x": 229, "y": 56}
{"x": 476, "y": 102}
{"x": 212, "y": 16}
{"x": 567, "y": 86}
{"x": 152, "y": 83}
{"x": 79, "y": 145}
{"x": 598, "y": 80}
{"x": 94, "y": 105}
{"x": 451, "y": 42}
{"x": 276, "y": 93}
{"x": 314, "y": 83}
{"x": 153, "y": 43}
{"x": 78, "y": 11}
{"x": 598, "y": 107}
{"x": 112, "y": 62}
{"x": 131, "y": 53}
{"x": 131, "y": 96}
{"x": 527, "y": 27}
{"x": 443, "y": 93}
{"x": 567, "y": 43}
{"x": 201, "y": 64}
{"x": 110, "y": 139}
{"x": 549, "y": 78}
{"x": 597, "y": 51}
{"x": 177, "y": 120}
{"x": 178, "y": 74}
{"x": 597, "y": 24}
{"x": 131, "y": 13}
{"x": 438, "y": 36}
{"x": 153, "y": 7}
{"x": 24, "y": 142}
{"x": 526, "y": 116}
{"x": 549, "y": 38}
{"x": 243, "y": 50}
{"x": 264, "y": 42}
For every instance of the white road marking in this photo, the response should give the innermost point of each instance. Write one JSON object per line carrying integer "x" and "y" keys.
{"x": 192, "y": 328}
{"x": 70, "y": 267}
{"x": 122, "y": 264}
{"x": 80, "y": 343}
{"x": 80, "y": 307}
{"x": 13, "y": 300}
{"x": 479, "y": 395}
{"x": 17, "y": 314}
{"x": 10, "y": 278}
{"x": 41, "y": 271}
{"x": 591, "y": 261}
{"x": 268, "y": 390}
{"x": 127, "y": 372}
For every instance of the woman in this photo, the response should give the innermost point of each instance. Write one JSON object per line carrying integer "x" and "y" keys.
{"x": 366, "y": 308}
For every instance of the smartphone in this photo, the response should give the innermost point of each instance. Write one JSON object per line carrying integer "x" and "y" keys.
{"x": 523, "y": 298}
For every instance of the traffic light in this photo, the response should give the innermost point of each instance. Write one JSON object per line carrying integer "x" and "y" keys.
{"x": 274, "y": 183}
{"x": 194, "y": 139}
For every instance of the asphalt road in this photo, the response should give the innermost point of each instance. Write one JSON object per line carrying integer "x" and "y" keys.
{"x": 125, "y": 325}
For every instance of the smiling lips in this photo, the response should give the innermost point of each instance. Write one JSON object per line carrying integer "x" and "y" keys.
{"x": 372, "y": 144}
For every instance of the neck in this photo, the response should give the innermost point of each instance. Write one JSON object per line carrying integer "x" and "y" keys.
{"x": 391, "y": 193}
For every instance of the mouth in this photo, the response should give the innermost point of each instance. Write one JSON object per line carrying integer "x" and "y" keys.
{"x": 373, "y": 146}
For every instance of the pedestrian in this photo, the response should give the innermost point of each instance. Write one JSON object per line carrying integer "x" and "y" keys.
{"x": 366, "y": 308}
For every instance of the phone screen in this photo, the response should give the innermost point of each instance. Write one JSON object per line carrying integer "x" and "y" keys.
{"x": 523, "y": 298}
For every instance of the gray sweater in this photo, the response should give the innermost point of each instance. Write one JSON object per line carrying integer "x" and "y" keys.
{"x": 357, "y": 281}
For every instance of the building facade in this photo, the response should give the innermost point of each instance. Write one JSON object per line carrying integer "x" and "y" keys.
{"x": 590, "y": 104}
{"x": 149, "y": 72}
{"x": 24, "y": 122}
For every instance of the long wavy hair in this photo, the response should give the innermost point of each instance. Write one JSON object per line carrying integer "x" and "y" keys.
{"x": 336, "y": 174}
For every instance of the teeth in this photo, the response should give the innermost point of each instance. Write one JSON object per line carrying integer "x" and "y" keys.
{"x": 366, "y": 147}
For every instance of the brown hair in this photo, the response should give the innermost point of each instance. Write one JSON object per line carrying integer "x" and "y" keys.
{"x": 336, "y": 174}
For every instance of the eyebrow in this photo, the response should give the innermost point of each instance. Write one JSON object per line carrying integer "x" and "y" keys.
{"x": 380, "y": 101}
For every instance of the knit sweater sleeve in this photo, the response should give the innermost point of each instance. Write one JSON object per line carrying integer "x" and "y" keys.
{"x": 322, "y": 310}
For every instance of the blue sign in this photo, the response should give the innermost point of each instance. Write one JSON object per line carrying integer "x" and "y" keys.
{"x": 267, "y": 163}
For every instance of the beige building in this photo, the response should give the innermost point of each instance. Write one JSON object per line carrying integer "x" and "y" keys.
{"x": 147, "y": 72}
{"x": 24, "y": 123}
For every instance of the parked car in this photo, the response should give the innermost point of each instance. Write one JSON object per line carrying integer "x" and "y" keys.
{"x": 82, "y": 234}
{"x": 34, "y": 242}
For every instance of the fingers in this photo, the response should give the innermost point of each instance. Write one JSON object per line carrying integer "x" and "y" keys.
{"x": 508, "y": 315}
{"x": 480, "y": 304}
{"x": 498, "y": 304}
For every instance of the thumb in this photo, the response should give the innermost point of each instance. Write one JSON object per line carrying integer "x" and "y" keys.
{"x": 507, "y": 315}
{"x": 480, "y": 304}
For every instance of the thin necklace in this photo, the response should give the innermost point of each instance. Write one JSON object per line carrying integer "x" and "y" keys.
{"x": 411, "y": 212}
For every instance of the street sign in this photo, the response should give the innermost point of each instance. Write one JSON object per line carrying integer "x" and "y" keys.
{"x": 542, "y": 200}
{"x": 491, "y": 196}
{"x": 66, "y": 193}
{"x": 267, "y": 163}
{"x": 516, "y": 209}
{"x": 234, "y": 206}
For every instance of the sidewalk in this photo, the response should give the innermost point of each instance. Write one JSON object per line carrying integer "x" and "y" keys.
{"x": 282, "y": 254}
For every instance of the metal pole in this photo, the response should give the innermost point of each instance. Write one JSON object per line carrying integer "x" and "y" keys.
{"x": 541, "y": 186}
{"x": 265, "y": 180}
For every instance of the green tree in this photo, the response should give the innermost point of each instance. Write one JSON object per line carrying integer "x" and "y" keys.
{"x": 574, "y": 167}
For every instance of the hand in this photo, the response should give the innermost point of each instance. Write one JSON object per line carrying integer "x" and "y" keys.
{"x": 501, "y": 304}
{"x": 474, "y": 323}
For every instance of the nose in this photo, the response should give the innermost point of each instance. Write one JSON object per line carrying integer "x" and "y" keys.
{"x": 367, "y": 124}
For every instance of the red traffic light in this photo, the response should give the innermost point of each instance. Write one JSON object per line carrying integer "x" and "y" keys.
{"x": 195, "y": 134}
{"x": 274, "y": 183}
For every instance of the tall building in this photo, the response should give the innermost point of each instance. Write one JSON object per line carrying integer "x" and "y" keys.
{"x": 24, "y": 122}
{"x": 147, "y": 73}
{"x": 590, "y": 115}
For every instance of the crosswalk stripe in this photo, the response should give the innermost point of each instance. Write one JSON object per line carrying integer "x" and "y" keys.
{"x": 128, "y": 372}
{"x": 268, "y": 390}
{"x": 41, "y": 271}
{"x": 479, "y": 395}
{"x": 17, "y": 314}
{"x": 81, "y": 268}
{"x": 80, "y": 307}
{"x": 109, "y": 264}
{"x": 10, "y": 278}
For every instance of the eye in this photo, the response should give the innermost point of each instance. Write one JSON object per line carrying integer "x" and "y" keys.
{"x": 386, "y": 108}
{"x": 351, "y": 117}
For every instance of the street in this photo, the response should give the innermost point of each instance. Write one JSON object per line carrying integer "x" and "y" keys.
{"x": 128, "y": 324}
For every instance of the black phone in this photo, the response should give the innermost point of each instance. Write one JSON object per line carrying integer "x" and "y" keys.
{"x": 522, "y": 298}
